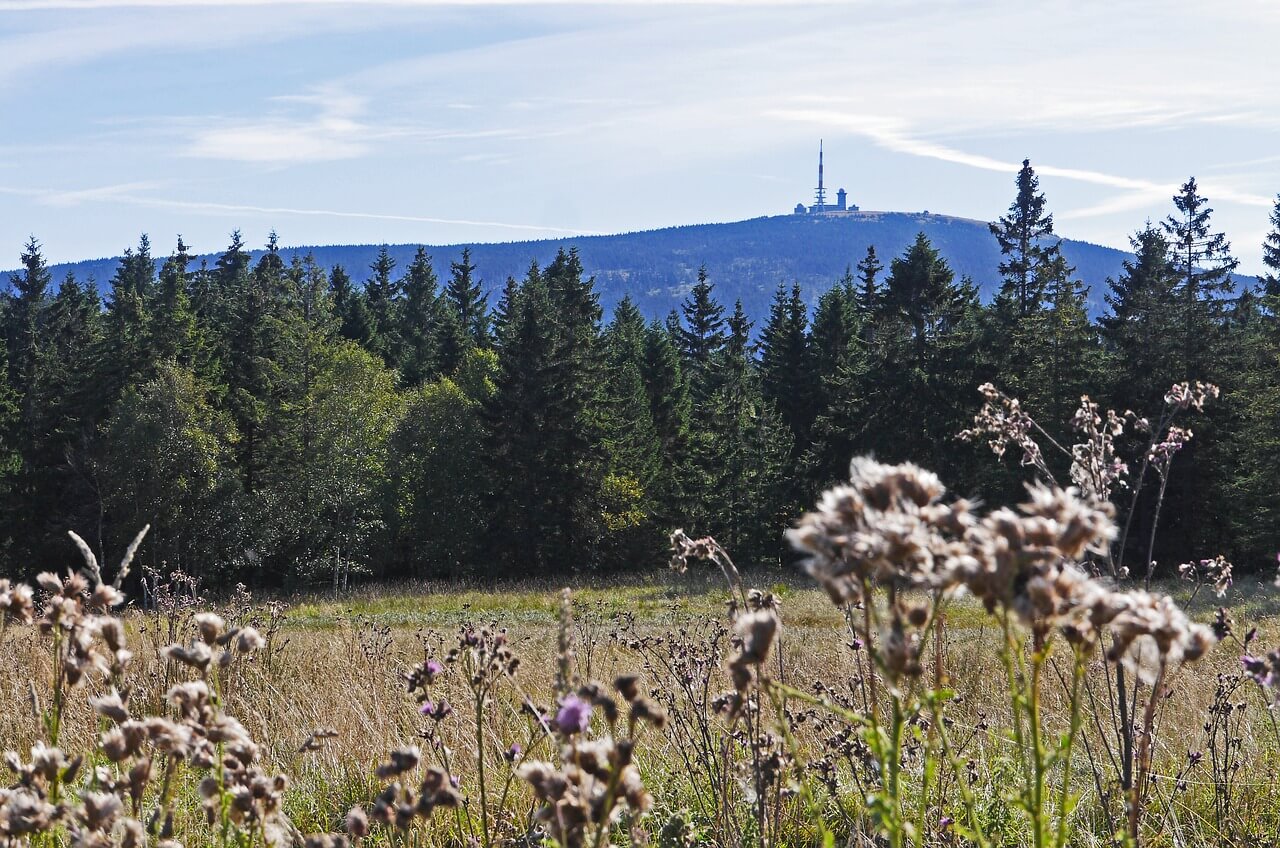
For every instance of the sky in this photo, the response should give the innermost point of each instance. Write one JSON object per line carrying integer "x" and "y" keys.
{"x": 413, "y": 121}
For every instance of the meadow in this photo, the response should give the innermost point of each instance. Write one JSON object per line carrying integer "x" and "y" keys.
{"x": 325, "y": 699}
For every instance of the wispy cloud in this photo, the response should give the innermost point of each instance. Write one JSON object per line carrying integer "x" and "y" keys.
{"x": 333, "y": 133}
{"x": 119, "y": 194}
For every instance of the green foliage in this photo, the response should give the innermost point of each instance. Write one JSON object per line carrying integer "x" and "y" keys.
{"x": 534, "y": 437}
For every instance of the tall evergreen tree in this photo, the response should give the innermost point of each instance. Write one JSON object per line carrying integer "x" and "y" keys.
{"x": 543, "y": 440}
{"x": 702, "y": 334}
{"x": 420, "y": 319}
{"x": 355, "y": 322}
{"x": 785, "y": 368}
{"x": 1142, "y": 330}
{"x": 869, "y": 268}
{"x": 383, "y": 296}
{"x": 1203, "y": 263}
{"x": 1271, "y": 254}
{"x": 466, "y": 295}
{"x": 175, "y": 330}
{"x": 1023, "y": 236}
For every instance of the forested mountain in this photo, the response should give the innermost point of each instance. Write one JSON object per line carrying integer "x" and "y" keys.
{"x": 281, "y": 418}
{"x": 747, "y": 258}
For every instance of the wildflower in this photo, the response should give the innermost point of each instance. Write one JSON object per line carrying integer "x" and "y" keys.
{"x": 574, "y": 715}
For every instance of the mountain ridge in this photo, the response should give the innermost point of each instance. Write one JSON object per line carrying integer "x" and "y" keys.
{"x": 746, "y": 259}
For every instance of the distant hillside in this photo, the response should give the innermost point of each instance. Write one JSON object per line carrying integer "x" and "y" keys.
{"x": 746, "y": 259}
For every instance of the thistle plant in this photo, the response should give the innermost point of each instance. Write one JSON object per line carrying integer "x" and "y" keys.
{"x": 1150, "y": 637}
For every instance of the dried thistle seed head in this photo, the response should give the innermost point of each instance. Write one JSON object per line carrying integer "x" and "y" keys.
{"x": 111, "y": 706}
{"x": 646, "y": 710}
{"x": 49, "y": 582}
{"x": 250, "y": 640}
{"x": 197, "y": 655}
{"x": 757, "y": 631}
{"x": 210, "y": 626}
{"x": 105, "y": 597}
{"x": 17, "y": 603}
{"x": 357, "y": 823}
{"x": 628, "y": 686}
{"x": 325, "y": 840}
{"x": 99, "y": 810}
{"x": 402, "y": 760}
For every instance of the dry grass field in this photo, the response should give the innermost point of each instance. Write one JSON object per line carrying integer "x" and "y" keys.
{"x": 326, "y": 700}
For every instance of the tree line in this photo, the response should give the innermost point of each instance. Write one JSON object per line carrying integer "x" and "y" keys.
{"x": 279, "y": 423}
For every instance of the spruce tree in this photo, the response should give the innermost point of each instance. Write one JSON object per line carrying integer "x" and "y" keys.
{"x": 1203, "y": 263}
{"x": 175, "y": 330}
{"x": 543, "y": 434}
{"x": 1023, "y": 236}
{"x": 702, "y": 334}
{"x": 631, "y": 441}
{"x": 1142, "y": 330}
{"x": 869, "y": 268}
{"x": 355, "y": 323}
{"x": 383, "y": 296}
{"x": 127, "y": 352}
{"x": 1271, "y": 254}
{"x": 466, "y": 295}
{"x": 785, "y": 368}
{"x": 420, "y": 318}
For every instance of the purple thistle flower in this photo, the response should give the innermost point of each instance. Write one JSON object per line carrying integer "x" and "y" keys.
{"x": 574, "y": 715}
{"x": 434, "y": 670}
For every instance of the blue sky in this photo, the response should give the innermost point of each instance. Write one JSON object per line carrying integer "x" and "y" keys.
{"x": 418, "y": 121}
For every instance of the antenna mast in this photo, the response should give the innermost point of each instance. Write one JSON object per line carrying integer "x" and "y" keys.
{"x": 821, "y": 194}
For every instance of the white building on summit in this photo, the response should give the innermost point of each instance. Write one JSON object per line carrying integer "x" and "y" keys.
{"x": 820, "y": 206}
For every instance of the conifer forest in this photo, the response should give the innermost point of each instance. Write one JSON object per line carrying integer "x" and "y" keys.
{"x": 284, "y": 424}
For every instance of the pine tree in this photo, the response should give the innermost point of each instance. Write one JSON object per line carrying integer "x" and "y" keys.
{"x": 1022, "y": 236}
{"x": 355, "y": 322}
{"x": 669, "y": 410}
{"x": 466, "y": 295}
{"x": 702, "y": 334}
{"x": 1203, "y": 264}
{"x": 869, "y": 268}
{"x": 1271, "y": 254}
{"x": 787, "y": 375}
{"x": 1143, "y": 330}
{"x": 420, "y": 318}
{"x": 383, "y": 296}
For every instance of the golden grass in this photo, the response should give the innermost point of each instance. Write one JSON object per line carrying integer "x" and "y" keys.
{"x": 338, "y": 661}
